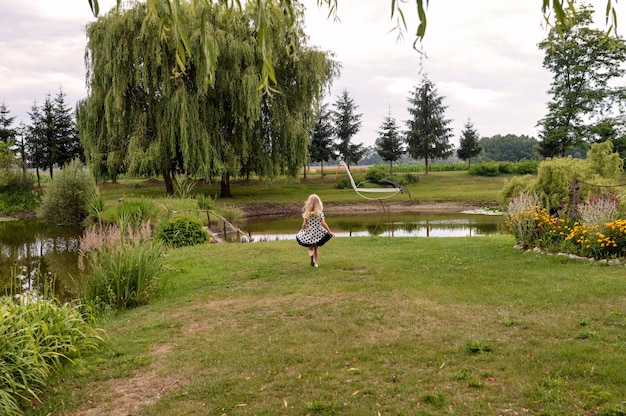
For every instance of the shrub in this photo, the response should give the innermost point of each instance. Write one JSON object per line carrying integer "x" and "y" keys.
{"x": 19, "y": 200}
{"x": 506, "y": 167}
{"x": 38, "y": 336}
{"x": 376, "y": 173}
{"x": 526, "y": 167}
{"x": 136, "y": 212}
{"x": 485, "y": 169}
{"x": 122, "y": 264}
{"x": 66, "y": 199}
{"x": 182, "y": 231}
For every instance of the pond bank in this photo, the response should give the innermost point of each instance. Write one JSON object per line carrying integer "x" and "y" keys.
{"x": 268, "y": 210}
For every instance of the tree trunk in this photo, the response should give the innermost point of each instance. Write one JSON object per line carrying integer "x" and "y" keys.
{"x": 322, "y": 165}
{"x": 391, "y": 168}
{"x": 304, "y": 171}
{"x": 425, "y": 166}
{"x": 169, "y": 185}
{"x": 225, "y": 186}
{"x": 38, "y": 177}
{"x": 51, "y": 169}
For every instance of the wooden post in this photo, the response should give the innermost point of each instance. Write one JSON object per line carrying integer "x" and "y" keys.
{"x": 238, "y": 236}
{"x": 574, "y": 189}
{"x": 225, "y": 237}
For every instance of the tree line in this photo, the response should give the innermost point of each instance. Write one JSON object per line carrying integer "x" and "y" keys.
{"x": 50, "y": 140}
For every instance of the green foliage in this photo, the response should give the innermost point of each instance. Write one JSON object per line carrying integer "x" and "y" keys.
{"x": 376, "y": 173}
{"x": 510, "y": 148}
{"x": 553, "y": 181}
{"x": 486, "y": 169}
{"x": 182, "y": 189}
{"x": 18, "y": 200}
{"x": 409, "y": 179}
{"x": 603, "y": 162}
{"x": 37, "y": 336}
{"x": 205, "y": 202}
{"x": 182, "y": 231}
{"x": 122, "y": 265}
{"x": 515, "y": 187}
{"x": 526, "y": 167}
{"x": 136, "y": 211}
{"x": 429, "y": 133}
{"x": 66, "y": 198}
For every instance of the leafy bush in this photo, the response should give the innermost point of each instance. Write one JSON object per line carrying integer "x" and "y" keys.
{"x": 66, "y": 198}
{"x": 182, "y": 231}
{"x": 506, "y": 167}
{"x": 526, "y": 167}
{"x": 38, "y": 336}
{"x": 122, "y": 264}
{"x": 376, "y": 173}
{"x": 136, "y": 211}
{"x": 485, "y": 169}
{"x": 18, "y": 200}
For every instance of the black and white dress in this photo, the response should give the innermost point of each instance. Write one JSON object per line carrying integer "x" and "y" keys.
{"x": 313, "y": 234}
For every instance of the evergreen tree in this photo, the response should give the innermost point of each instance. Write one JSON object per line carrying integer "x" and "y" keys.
{"x": 469, "y": 146}
{"x": 7, "y": 132}
{"x": 389, "y": 144}
{"x": 347, "y": 123}
{"x": 52, "y": 138}
{"x": 321, "y": 147}
{"x": 583, "y": 62}
{"x": 428, "y": 133}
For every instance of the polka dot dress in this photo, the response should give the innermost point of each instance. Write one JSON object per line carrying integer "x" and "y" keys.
{"x": 313, "y": 233}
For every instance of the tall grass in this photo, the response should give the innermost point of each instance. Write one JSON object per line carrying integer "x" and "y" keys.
{"x": 37, "y": 336}
{"x": 123, "y": 263}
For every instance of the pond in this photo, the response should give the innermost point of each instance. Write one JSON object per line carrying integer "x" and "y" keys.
{"x": 400, "y": 224}
{"x": 32, "y": 253}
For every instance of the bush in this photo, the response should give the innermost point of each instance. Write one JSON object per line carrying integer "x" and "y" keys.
{"x": 66, "y": 199}
{"x": 122, "y": 266}
{"x": 376, "y": 173}
{"x": 485, "y": 169}
{"x": 526, "y": 167}
{"x": 182, "y": 231}
{"x": 18, "y": 200}
{"x": 38, "y": 336}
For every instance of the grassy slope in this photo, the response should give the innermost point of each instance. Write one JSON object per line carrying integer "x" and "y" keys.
{"x": 384, "y": 326}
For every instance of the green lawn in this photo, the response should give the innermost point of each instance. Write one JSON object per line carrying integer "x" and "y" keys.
{"x": 404, "y": 326}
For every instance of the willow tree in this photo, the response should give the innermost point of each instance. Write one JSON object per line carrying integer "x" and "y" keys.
{"x": 173, "y": 24}
{"x": 142, "y": 117}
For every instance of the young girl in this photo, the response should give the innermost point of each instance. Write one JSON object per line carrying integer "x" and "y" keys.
{"x": 314, "y": 232}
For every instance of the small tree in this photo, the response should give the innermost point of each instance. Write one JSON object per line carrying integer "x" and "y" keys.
{"x": 468, "y": 143}
{"x": 7, "y": 132}
{"x": 320, "y": 148}
{"x": 67, "y": 197}
{"x": 428, "y": 133}
{"x": 389, "y": 144}
{"x": 347, "y": 123}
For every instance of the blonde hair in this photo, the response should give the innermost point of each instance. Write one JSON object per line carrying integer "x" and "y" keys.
{"x": 312, "y": 207}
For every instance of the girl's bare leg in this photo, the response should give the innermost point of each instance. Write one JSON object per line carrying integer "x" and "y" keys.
{"x": 312, "y": 256}
{"x": 316, "y": 254}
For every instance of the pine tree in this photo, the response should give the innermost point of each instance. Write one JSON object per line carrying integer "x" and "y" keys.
{"x": 321, "y": 147}
{"x": 428, "y": 133}
{"x": 6, "y": 131}
{"x": 347, "y": 123}
{"x": 389, "y": 144}
{"x": 468, "y": 143}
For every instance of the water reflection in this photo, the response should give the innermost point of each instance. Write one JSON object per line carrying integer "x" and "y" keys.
{"x": 400, "y": 225}
{"x": 34, "y": 254}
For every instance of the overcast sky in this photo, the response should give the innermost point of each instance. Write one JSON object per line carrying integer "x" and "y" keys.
{"x": 482, "y": 56}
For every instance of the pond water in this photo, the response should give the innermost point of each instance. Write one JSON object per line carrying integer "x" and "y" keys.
{"x": 33, "y": 254}
{"x": 415, "y": 224}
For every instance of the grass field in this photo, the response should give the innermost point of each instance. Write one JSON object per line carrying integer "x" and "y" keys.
{"x": 410, "y": 326}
